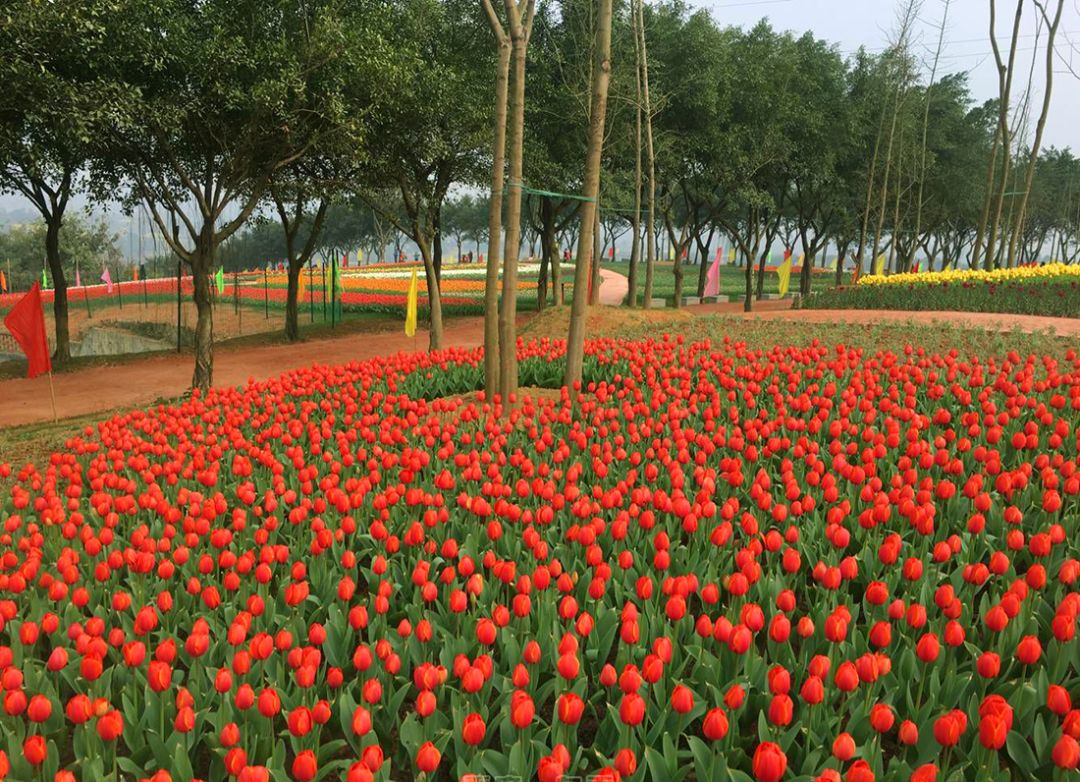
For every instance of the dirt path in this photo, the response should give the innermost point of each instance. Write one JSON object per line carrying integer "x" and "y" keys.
{"x": 102, "y": 389}
{"x": 613, "y": 288}
{"x": 781, "y": 310}
{"x": 143, "y": 381}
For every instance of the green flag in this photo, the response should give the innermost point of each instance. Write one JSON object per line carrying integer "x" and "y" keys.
{"x": 44, "y": 278}
{"x": 219, "y": 278}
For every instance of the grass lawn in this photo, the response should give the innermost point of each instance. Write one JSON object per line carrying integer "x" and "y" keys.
{"x": 732, "y": 280}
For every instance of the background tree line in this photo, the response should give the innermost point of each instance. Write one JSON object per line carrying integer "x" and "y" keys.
{"x": 275, "y": 131}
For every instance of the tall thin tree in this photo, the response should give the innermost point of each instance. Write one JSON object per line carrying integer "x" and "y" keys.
{"x": 1002, "y": 142}
{"x": 575, "y": 343}
{"x": 495, "y": 204}
{"x": 519, "y": 16}
{"x": 1033, "y": 155}
{"x": 650, "y": 159}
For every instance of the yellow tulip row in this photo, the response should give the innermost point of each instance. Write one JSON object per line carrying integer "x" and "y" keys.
{"x": 1051, "y": 271}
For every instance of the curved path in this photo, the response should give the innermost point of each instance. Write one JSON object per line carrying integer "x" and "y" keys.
{"x": 140, "y": 382}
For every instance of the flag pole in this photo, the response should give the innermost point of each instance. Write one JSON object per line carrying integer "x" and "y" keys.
{"x": 52, "y": 396}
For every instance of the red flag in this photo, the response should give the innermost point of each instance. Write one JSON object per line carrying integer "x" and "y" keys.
{"x": 26, "y": 322}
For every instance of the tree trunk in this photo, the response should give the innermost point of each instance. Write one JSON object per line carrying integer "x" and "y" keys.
{"x": 703, "y": 262}
{"x": 436, "y": 240}
{"x": 761, "y": 271}
{"x": 542, "y": 277}
{"x": 839, "y": 266}
{"x": 548, "y": 250}
{"x": 519, "y": 42}
{"x": 635, "y": 218}
{"x": 491, "y": 282}
{"x": 435, "y": 338}
{"x": 575, "y": 343}
{"x": 292, "y": 309}
{"x": 926, "y": 127}
{"x": 748, "y": 301}
{"x": 62, "y": 352}
{"x": 1018, "y": 227}
{"x": 597, "y": 258}
{"x": 202, "y": 264}
{"x": 556, "y": 269}
{"x": 650, "y": 221}
{"x": 871, "y": 176}
{"x": 1005, "y": 74}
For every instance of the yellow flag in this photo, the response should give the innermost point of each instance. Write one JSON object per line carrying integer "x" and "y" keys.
{"x": 879, "y": 265}
{"x": 410, "y": 307}
{"x": 731, "y": 256}
{"x": 671, "y": 253}
{"x": 783, "y": 271}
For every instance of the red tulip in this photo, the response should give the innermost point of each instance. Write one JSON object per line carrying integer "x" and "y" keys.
{"x": 927, "y": 772}
{"x": 1029, "y": 650}
{"x": 860, "y": 771}
{"x": 428, "y": 757}
{"x": 1066, "y": 752}
{"x": 40, "y": 709}
{"x": 254, "y": 774}
{"x": 715, "y": 725}
{"x": 882, "y": 717}
{"x": 843, "y": 747}
{"x": 305, "y": 766}
{"x": 769, "y": 762}
{"x": 110, "y": 726}
{"x": 682, "y": 699}
{"x": 35, "y": 750}
{"x": 1057, "y": 700}
{"x": 473, "y": 729}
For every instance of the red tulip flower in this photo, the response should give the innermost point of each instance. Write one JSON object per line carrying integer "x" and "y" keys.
{"x": 715, "y": 725}
{"x": 35, "y": 750}
{"x": 473, "y": 729}
{"x": 428, "y": 757}
{"x": 769, "y": 762}
{"x": 305, "y": 767}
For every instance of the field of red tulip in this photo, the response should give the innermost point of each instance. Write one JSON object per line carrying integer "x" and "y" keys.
{"x": 708, "y": 563}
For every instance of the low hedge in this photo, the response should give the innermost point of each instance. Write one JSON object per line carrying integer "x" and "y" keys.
{"x": 1056, "y": 298}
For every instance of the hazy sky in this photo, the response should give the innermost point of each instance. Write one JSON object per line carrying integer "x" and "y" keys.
{"x": 854, "y": 23}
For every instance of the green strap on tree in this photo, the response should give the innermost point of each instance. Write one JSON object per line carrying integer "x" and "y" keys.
{"x": 547, "y": 193}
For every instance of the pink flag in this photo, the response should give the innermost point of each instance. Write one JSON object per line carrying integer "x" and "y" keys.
{"x": 107, "y": 279}
{"x": 78, "y": 279}
{"x": 712, "y": 282}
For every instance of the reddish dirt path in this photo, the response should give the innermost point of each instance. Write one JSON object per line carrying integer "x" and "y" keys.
{"x": 781, "y": 310}
{"x": 140, "y": 382}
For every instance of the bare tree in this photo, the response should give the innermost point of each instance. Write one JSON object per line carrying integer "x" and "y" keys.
{"x": 1002, "y": 140}
{"x": 902, "y": 64}
{"x": 1033, "y": 155}
{"x": 926, "y": 127}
